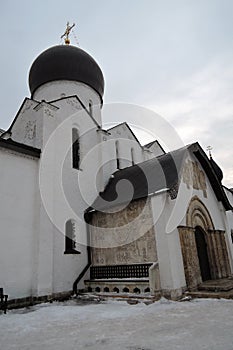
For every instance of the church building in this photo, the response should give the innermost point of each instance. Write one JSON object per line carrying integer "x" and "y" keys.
{"x": 88, "y": 209}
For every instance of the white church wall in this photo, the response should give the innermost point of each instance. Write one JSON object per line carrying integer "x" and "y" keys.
{"x": 27, "y": 128}
{"x": 154, "y": 150}
{"x": 215, "y": 208}
{"x": 204, "y": 192}
{"x": 119, "y": 142}
{"x": 18, "y": 186}
{"x": 70, "y": 191}
{"x": 168, "y": 246}
{"x": 169, "y": 214}
{"x": 67, "y": 267}
{"x": 59, "y": 89}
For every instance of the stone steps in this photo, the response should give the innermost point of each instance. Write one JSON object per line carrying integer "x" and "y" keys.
{"x": 221, "y": 288}
{"x": 208, "y": 294}
{"x": 221, "y": 285}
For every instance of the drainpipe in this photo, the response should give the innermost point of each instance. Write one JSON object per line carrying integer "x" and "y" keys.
{"x": 78, "y": 279}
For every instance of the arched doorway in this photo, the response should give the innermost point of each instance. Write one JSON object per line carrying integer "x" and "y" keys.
{"x": 204, "y": 249}
{"x": 202, "y": 253}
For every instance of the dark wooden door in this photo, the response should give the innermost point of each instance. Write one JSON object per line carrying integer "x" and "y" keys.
{"x": 202, "y": 254}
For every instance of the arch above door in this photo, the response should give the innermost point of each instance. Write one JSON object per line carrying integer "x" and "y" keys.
{"x": 198, "y": 215}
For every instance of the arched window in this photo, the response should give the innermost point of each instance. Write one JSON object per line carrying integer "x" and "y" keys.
{"x": 132, "y": 156}
{"x": 91, "y": 107}
{"x": 117, "y": 154}
{"x": 75, "y": 149}
{"x": 70, "y": 237}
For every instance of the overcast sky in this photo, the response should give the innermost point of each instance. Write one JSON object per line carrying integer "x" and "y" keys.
{"x": 174, "y": 57}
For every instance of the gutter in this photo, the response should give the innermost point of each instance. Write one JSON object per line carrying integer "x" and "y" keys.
{"x": 78, "y": 279}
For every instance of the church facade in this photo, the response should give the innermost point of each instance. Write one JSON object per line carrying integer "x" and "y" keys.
{"x": 84, "y": 208}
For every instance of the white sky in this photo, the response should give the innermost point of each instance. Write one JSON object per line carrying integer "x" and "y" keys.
{"x": 174, "y": 57}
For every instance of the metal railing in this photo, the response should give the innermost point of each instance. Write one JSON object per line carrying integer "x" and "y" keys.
{"x": 120, "y": 271}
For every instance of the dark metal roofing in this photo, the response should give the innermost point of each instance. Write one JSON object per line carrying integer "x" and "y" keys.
{"x": 141, "y": 180}
{"x": 217, "y": 169}
{"x": 154, "y": 175}
{"x": 20, "y": 148}
{"x": 66, "y": 62}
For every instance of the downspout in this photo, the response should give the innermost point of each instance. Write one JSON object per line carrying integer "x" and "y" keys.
{"x": 78, "y": 279}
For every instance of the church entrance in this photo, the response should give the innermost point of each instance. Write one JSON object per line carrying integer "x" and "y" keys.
{"x": 202, "y": 253}
{"x": 204, "y": 249}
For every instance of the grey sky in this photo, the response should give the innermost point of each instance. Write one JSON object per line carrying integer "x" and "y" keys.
{"x": 174, "y": 57}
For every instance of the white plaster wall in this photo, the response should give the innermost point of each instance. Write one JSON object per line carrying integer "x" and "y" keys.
{"x": 168, "y": 215}
{"x": 45, "y": 268}
{"x": 216, "y": 210}
{"x": 125, "y": 139}
{"x": 168, "y": 244}
{"x": 154, "y": 151}
{"x": 18, "y": 203}
{"x": 214, "y": 207}
{"x": 66, "y": 192}
{"x": 27, "y": 128}
{"x": 63, "y": 88}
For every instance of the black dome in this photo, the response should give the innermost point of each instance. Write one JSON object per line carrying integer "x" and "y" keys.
{"x": 217, "y": 169}
{"x": 65, "y": 62}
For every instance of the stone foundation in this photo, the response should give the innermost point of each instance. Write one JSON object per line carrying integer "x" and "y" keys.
{"x": 118, "y": 286}
{"x": 33, "y": 300}
{"x": 173, "y": 294}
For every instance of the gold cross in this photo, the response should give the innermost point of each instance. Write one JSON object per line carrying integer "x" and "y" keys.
{"x": 67, "y": 33}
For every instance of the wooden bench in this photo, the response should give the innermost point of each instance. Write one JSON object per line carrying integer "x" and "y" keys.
{"x": 3, "y": 301}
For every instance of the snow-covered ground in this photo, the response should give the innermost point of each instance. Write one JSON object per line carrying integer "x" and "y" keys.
{"x": 112, "y": 325}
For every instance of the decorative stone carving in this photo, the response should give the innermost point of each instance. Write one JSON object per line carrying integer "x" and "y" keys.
{"x": 48, "y": 112}
{"x": 198, "y": 215}
{"x": 130, "y": 245}
{"x": 194, "y": 177}
{"x": 30, "y": 130}
{"x": 190, "y": 256}
{"x": 74, "y": 103}
{"x": 173, "y": 192}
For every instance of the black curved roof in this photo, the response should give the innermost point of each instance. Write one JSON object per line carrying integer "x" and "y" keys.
{"x": 217, "y": 169}
{"x": 159, "y": 173}
{"x": 66, "y": 62}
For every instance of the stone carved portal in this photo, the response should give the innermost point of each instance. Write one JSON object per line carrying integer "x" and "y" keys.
{"x": 203, "y": 247}
{"x": 202, "y": 253}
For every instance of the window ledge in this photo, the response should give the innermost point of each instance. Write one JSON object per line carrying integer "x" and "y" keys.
{"x": 72, "y": 251}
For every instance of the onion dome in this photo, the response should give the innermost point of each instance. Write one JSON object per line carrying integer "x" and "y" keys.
{"x": 217, "y": 169}
{"x": 66, "y": 62}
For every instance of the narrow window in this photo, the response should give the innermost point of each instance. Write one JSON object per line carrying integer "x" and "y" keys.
{"x": 91, "y": 107}
{"x": 75, "y": 149}
{"x": 132, "y": 156}
{"x": 70, "y": 238}
{"x": 117, "y": 154}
